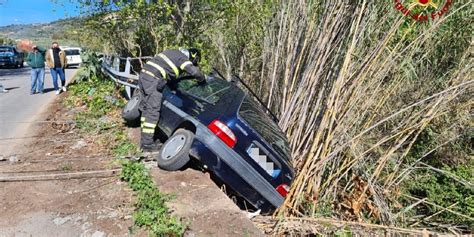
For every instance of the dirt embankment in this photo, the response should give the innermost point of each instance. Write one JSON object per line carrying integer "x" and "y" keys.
{"x": 92, "y": 204}
{"x": 53, "y": 205}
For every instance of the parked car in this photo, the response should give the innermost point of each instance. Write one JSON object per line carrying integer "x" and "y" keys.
{"x": 73, "y": 56}
{"x": 11, "y": 56}
{"x": 229, "y": 134}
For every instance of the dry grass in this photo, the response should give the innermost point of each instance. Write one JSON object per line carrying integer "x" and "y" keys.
{"x": 337, "y": 75}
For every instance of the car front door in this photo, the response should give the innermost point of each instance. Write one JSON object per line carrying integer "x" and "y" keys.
{"x": 187, "y": 98}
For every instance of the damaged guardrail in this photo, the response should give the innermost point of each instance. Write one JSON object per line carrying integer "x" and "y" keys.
{"x": 123, "y": 70}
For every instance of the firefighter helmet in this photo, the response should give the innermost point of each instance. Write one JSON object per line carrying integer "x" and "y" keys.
{"x": 193, "y": 54}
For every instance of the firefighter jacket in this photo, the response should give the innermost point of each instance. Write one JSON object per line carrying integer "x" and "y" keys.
{"x": 170, "y": 64}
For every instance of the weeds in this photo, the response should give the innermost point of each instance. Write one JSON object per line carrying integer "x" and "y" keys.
{"x": 67, "y": 167}
{"x": 454, "y": 190}
{"x": 99, "y": 105}
{"x": 124, "y": 147}
{"x": 151, "y": 211}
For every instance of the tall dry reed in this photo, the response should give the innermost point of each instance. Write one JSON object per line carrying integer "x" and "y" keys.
{"x": 335, "y": 72}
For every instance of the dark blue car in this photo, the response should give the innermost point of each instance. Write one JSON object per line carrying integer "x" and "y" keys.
{"x": 230, "y": 135}
{"x": 10, "y": 56}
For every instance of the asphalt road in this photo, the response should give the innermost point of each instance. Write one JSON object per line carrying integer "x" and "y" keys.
{"x": 20, "y": 112}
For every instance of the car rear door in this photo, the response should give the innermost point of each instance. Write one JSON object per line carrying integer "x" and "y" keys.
{"x": 181, "y": 95}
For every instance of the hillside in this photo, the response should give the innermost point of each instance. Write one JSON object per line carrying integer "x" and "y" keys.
{"x": 43, "y": 34}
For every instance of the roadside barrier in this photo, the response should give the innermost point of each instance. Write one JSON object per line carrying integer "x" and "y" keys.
{"x": 124, "y": 71}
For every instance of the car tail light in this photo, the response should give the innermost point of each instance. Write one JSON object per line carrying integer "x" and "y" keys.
{"x": 223, "y": 132}
{"x": 283, "y": 189}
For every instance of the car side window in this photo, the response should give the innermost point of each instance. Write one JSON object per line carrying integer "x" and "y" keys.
{"x": 71, "y": 52}
{"x": 211, "y": 92}
{"x": 186, "y": 85}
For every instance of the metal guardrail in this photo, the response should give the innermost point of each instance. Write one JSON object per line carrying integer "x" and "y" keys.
{"x": 123, "y": 71}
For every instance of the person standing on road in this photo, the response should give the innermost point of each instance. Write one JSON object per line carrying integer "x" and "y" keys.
{"x": 167, "y": 66}
{"x": 56, "y": 61}
{"x": 36, "y": 61}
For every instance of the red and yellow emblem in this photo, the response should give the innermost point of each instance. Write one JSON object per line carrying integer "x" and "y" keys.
{"x": 424, "y": 3}
{"x": 431, "y": 9}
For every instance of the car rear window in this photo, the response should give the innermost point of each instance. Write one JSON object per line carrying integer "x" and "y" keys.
{"x": 72, "y": 52}
{"x": 211, "y": 92}
{"x": 254, "y": 115}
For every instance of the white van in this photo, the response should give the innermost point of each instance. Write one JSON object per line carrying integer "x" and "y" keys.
{"x": 73, "y": 56}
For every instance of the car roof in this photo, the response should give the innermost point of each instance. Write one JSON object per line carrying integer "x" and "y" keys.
{"x": 77, "y": 48}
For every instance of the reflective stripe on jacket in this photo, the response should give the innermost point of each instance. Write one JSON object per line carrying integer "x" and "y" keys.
{"x": 170, "y": 64}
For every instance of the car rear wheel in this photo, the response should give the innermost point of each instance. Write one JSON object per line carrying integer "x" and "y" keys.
{"x": 174, "y": 154}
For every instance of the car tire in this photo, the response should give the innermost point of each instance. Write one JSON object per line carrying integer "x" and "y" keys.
{"x": 130, "y": 112}
{"x": 174, "y": 154}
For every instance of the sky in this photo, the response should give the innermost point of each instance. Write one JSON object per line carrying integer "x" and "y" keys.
{"x": 35, "y": 11}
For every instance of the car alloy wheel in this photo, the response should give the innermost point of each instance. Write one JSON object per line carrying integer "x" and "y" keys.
{"x": 174, "y": 154}
{"x": 173, "y": 147}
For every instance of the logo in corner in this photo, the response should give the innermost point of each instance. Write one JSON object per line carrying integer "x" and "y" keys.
{"x": 423, "y": 10}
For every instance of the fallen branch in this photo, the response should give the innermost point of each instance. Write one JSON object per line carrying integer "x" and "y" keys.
{"x": 303, "y": 225}
{"x": 440, "y": 207}
{"x": 437, "y": 213}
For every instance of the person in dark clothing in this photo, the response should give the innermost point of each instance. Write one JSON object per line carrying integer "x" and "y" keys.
{"x": 167, "y": 66}
{"x": 56, "y": 61}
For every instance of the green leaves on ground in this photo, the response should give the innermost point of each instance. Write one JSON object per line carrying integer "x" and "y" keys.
{"x": 99, "y": 105}
{"x": 151, "y": 211}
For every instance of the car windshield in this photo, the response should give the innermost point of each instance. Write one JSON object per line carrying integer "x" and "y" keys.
{"x": 251, "y": 112}
{"x": 72, "y": 52}
{"x": 211, "y": 92}
{"x": 6, "y": 49}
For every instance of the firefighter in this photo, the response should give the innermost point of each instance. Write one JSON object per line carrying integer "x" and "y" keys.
{"x": 168, "y": 65}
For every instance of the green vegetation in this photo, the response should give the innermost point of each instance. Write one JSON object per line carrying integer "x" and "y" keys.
{"x": 98, "y": 104}
{"x": 444, "y": 179}
{"x": 151, "y": 205}
{"x": 90, "y": 66}
{"x": 6, "y": 41}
